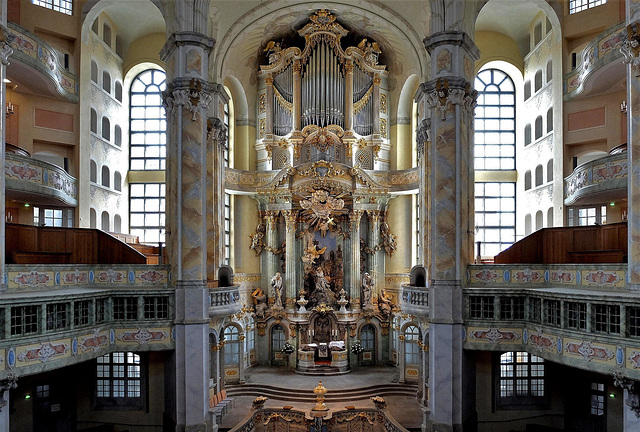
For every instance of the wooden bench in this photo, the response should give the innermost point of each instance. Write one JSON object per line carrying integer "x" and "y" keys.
{"x": 219, "y": 403}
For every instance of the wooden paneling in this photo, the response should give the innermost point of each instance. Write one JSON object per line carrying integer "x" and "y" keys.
{"x": 39, "y": 245}
{"x": 570, "y": 245}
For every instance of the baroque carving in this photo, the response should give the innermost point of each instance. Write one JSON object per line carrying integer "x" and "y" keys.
{"x": 632, "y": 390}
{"x": 630, "y": 48}
{"x": 194, "y": 99}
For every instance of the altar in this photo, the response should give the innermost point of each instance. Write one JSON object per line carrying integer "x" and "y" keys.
{"x": 323, "y": 358}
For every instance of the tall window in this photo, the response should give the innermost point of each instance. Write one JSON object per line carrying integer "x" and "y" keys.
{"x": 495, "y": 213}
{"x": 231, "y": 347}
{"x": 411, "y": 348}
{"x": 64, "y": 6}
{"x": 148, "y": 124}
{"x": 580, "y": 5}
{"x": 521, "y": 379}
{"x": 147, "y": 211}
{"x": 495, "y": 121}
{"x": 227, "y": 197}
{"x": 119, "y": 380}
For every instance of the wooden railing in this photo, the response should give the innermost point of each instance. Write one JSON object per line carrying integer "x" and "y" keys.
{"x": 570, "y": 245}
{"x": 27, "y": 244}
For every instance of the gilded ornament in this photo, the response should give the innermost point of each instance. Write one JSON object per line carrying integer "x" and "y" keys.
{"x": 383, "y": 103}
{"x": 262, "y": 103}
{"x": 262, "y": 128}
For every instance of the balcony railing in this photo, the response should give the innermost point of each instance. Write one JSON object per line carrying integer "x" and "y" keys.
{"x": 224, "y": 301}
{"x": 604, "y": 174}
{"x": 25, "y": 174}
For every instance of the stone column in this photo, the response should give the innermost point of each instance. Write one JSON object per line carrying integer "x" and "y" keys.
{"x": 376, "y": 259}
{"x": 187, "y": 98}
{"x": 270, "y": 261}
{"x": 216, "y": 145}
{"x": 352, "y": 264}
{"x": 5, "y": 52}
{"x": 632, "y": 57}
{"x": 241, "y": 379}
{"x": 290, "y": 260}
{"x": 423, "y": 195}
{"x": 401, "y": 357}
{"x": 11, "y": 382}
{"x": 450, "y": 102}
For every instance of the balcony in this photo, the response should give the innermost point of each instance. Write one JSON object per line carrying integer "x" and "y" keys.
{"x": 601, "y": 67}
{"x": 38, "y": 181}
{"x": 600, "y": 180}
{"x": 35, "y": 65}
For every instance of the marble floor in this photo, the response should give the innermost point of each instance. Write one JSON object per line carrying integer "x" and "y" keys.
{"x": 406, "y": 410}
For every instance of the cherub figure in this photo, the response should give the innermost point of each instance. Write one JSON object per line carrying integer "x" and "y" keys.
{"x": 273, "y": 49}
{"x": 260, "y": 301}
{"x": 276, "y": 284}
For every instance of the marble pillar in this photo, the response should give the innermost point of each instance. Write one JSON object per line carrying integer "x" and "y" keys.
{"x": 450, "y": 99}
{"x": 5, "y": 52}
{"x": 376, "y": 258}
{"x": 633, "y": 147}
{"x": 270, "y": 261}
{"x": 187, "y": 99}
{"x": 352, "y": 264}
{"x": 290, "y": 260}
{"x": 216, "y": 146}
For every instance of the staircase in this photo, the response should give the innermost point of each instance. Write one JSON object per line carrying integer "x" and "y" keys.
{"x": 307, "y": 395}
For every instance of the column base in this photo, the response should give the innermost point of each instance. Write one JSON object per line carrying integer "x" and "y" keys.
{"x": 441, "y": 427}
{"x": 200, "y": 427}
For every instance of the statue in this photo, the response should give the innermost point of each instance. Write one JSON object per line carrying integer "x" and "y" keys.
{"x": 273, "y": 49}
{"x": 371, "y": 51}
{"x": 388, "y": 240}
{"x": 276, "y": 284}
{"x": 367, "y": 291}
{"x": 256, "y": 239}
{"x": 260, "y": 301}
{"x": 322, "y": 292}
{"x": 384, "y": 302}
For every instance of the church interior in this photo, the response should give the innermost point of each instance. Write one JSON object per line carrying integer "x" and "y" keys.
{"x": 429, "y": 197}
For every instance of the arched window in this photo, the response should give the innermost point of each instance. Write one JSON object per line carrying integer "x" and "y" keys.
{"x": 94, "y": 71}
{"x": 550, "y": 217}
{"x": 278, "y": 337}
{"x": 527, "y": 225}
{"x": 105, "y": 221}
{"x": 117, "y": 131}
{"x": 106, "y": 81}
{"x": 495, "y": 121}
{"x": 549, "y": 70}
{"x": 495, "y": 216}
{"x": 93, "y": 171}
{"x": 92, "y": 218}
{"x": 117, "y": 181}
{"x": 527, "y": 134}
{"x": 94, "y": 121}
{"x": 117, "y": 224}
{"x": 550, "y": 171}
{"x": 106, "y": 128}
{"x": 538, "y": 80}
{"x": 106, "y": 34}
{"x": 119, "y": 91}
{"x": 537, "y": 34}
{"x": 411, "y": 348}
{"x": 550, "y": 119}
{"x": 147, "y": 122}
{"x": 538, "y": 220}
{"x": 105, "y": 176}
{"x": 538, "y": 175}
{"x": 527, "y": 180}
{"x": 538, "y": 127}
{"x": 527, "y": 90}
{"x": 231, "y": 346}
{"x": 368, "y": 342}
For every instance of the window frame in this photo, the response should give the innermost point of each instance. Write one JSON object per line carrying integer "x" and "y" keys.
{"x": 515, "y": 402}
{"x": 124, "y": 403}
{"x": 62, "y": 6}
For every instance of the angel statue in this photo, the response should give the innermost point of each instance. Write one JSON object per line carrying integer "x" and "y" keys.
{"x": 367, "y": 291}
{"x": 371, "y": 51}
{"x": 257, "y": 243}
{"x": 273, "y": 49}
{"x": 276, "y": 284}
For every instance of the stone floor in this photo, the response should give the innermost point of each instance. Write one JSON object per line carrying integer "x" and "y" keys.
{"x": 406, "y": 410}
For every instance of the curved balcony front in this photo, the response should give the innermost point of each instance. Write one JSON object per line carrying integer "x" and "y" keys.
{"x": 35, "y": 65}
{"x": 415, "y": 300}
{"x": 601, "y": 65}
{"x": 597, "y": 181}
{"x": 224, "y": 301}
{"x": 36, "y": 181}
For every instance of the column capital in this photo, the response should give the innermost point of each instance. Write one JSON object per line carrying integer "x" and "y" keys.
{"x": 180, "y": 39}
{"x": 632, "y": 389}
{"x": 452, "y": 37}
{"x": 423, "y": 134}
{"x": 9, "y": 383}
{"x": 217, "y": 132}
{"x": 630, "y": 48}
{"x": 194, "y": 94}
{"x": 442, "y": 94}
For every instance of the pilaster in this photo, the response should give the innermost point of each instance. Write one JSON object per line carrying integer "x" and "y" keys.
{"x": 290, "y": 259}
{"x": 352, "y": 273}
{"x": 187, "y": 98}
{"x": 631, "y": 51}
{"x": 5, "y": 52}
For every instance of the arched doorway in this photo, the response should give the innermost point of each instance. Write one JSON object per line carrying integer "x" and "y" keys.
{"x": 368, "y": 342}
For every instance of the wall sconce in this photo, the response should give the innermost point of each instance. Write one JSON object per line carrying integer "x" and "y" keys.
{"x": 623, "y": 107}
{"x": 9, "y": 105}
